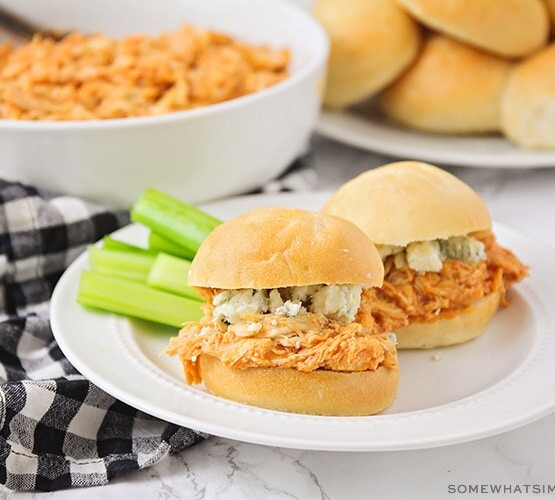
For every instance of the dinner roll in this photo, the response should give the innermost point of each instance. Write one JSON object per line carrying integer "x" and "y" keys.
{"x": 551, "y": 9}
{"x": 372, "y": 41}
{"x": 451, "y": 88}
{"x": 510, "y": 28}
{"x": 528, "y": 104}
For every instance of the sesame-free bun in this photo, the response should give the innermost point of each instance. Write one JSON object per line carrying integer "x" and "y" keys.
{"x": 372, "y": 41}
{"x": 275, "y": 247}
{"x": 510, "y": 28}
{"x": 408, "y": 201}
{"x": 320, "y": 392}
{"x": 551, "y": 9}
{"x": 528, "y": 105}
{"x": 451, "y": 88}
{"x": 467, "y": 325}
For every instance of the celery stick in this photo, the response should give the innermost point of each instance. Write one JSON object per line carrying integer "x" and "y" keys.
{"x": 170, "y": 274}
{"x": 157, "y": 243}
{"x": 131, "y": 265}
{"x": 177, "y": 221}
{"x": 135, "y": 299}
{"x": 114, "y": 244}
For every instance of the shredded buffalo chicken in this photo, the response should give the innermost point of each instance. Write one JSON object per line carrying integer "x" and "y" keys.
{"x": 90, "y": 77}
{"x": 436, "y": 295}
{"x": 312, "y": 341}
{"x": 306, "y": 343}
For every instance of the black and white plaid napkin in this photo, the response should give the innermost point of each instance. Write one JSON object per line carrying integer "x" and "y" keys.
{"x": 58, "y": 430}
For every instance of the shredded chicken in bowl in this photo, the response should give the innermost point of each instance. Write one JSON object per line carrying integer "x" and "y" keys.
{"x": 88, "y": 77}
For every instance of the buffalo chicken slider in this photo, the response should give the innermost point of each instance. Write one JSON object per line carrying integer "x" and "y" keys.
{"x": 444, "y": 270}
{"x": 282, "y": 327}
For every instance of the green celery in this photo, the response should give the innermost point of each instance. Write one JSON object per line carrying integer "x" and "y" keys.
{"x": 111, "y": 243}
{"x": 157, "y": 243}
{"x": 173, "y": 219}
{"x": 131, "y": 265}
{"x": 170, "y": 274}
{"x": 135, "y": 299}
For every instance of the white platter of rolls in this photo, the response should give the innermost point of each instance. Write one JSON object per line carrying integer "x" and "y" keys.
{"x": 464, "y": 82}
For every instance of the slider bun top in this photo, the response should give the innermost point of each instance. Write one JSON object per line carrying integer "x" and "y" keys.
{"x": 275, "y": 247}
{"x": 372, "y": 41}
{"x": 510, "y": 28}
{"x": 409, "y": 201}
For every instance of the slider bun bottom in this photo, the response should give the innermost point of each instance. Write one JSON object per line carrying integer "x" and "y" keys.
{"x": 444, "y": 332}
{"x": 321, "y": 392}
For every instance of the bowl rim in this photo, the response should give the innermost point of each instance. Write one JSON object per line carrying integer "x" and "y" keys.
{"x": 321, "y": 44}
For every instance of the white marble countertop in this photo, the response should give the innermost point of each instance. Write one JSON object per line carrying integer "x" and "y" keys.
{"x": 221, "y": 468}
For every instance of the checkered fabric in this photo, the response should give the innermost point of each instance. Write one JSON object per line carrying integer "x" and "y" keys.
{"x": 57, "y": 430}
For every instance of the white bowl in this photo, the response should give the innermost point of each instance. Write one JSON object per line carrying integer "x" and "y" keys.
{"x": 197, "y": 155}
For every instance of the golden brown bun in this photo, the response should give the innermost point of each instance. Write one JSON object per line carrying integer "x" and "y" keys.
{"x": 551, "y": 9}
{"x": 510, "y": 28}
{"x": 451, "y": 88}
{"x": 408, "y": 201}
{"x": 275, "y": 247}
{"x": 528, "y": 105}
{"x": 320, "y": 392}
{"x": 371, "y": 43}
{"x": 443, "y": 332}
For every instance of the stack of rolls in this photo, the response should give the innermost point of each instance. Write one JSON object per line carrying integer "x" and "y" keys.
{"x": 447, "y": 67}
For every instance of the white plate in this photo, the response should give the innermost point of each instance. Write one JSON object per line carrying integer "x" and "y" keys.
{"x": 371, "y": 131}
{"x": 501, "y": 380}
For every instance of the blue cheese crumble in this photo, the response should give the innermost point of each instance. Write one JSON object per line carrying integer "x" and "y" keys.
{"x": 425, "y": 256}
{"x": 339, "y": 302}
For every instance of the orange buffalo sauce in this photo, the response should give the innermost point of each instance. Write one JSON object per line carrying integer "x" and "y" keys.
{"x": 305, "y": 343}
{"x": 431, "y": 296}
